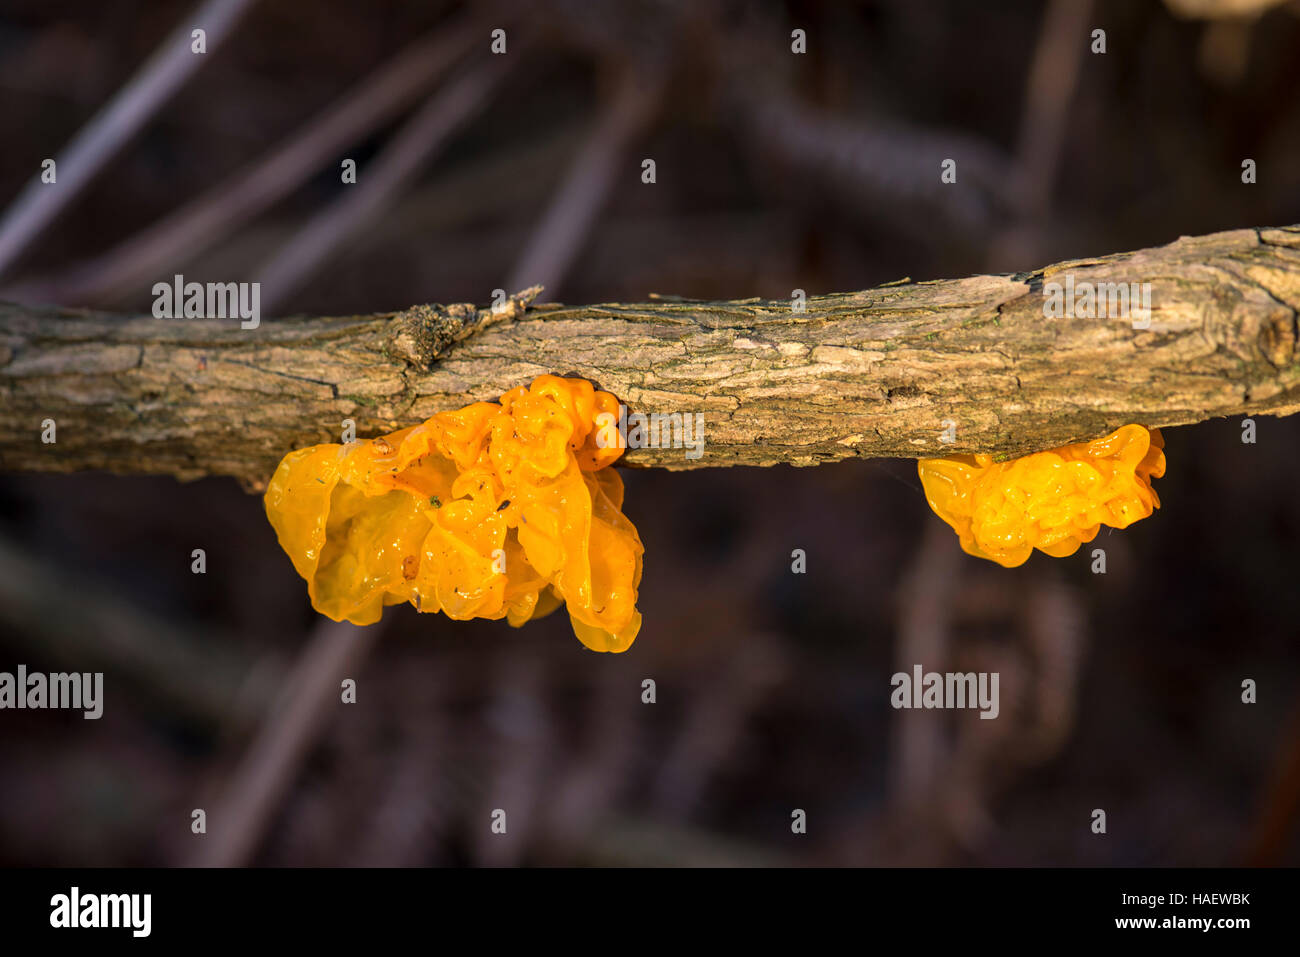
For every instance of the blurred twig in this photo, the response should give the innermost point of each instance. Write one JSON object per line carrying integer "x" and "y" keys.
{"x": 522, "y": 732}
{"x": 591, "y": 785}
{"x": 1045, "y": 119}
{"x": 382, "y": 181}
{"x": 558, "y": 237}
{"x": 713, "y": 725}
{"x": 1053, "y": 76}
{"x": 1220, "y": 9}
{"x": 238, "y": 821}
{"x": 878, "y": 165}
{"x": 158, "y": 250}
{"x": 197, "y": 676}
{"x": 172, "y": 64}
{"x": 1275, "y": 825}
{"x": 925, "y": 612}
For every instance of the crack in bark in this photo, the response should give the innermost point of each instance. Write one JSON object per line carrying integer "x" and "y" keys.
{"x": 332, "y": 386}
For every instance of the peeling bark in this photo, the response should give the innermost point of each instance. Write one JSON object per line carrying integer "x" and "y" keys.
{"x": 871, "y": 373}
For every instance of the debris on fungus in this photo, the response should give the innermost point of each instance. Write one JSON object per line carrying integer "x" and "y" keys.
{"x": 1053, "y": 501}
{"x": 498, "y": 510}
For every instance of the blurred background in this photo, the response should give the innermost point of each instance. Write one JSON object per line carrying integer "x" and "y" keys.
{"x": 774, "y": 171}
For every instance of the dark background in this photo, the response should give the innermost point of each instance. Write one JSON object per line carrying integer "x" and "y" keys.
{"x": 775, "y": 172}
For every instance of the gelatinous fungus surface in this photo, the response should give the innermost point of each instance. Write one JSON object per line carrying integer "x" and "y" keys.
{"x": 498, "y": 510}
{"x": 1053, "y": 501}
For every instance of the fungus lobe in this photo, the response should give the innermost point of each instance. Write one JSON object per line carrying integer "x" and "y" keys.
{"x": 1053, "y": 501}
{"x": 498, "y": 510}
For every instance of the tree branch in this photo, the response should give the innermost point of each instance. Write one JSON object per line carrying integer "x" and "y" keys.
{"x": 873, "y": 373}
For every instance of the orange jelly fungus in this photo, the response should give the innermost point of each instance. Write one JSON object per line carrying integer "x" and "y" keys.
{"x": 1053, "y": 501}
{"x": 499, "y": 510}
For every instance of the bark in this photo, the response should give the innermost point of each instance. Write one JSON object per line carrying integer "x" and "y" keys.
{"x": 890, "y": 371}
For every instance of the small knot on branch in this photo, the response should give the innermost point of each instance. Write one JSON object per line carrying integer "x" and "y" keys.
{"x": 422, "y": 334}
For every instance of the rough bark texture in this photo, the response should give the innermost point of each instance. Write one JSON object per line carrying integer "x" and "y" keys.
{"x": 873, "y": 373}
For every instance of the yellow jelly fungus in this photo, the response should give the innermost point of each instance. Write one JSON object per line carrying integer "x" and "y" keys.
{"x": 498, "y": 510}
{"x": 1053, "y": 501}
